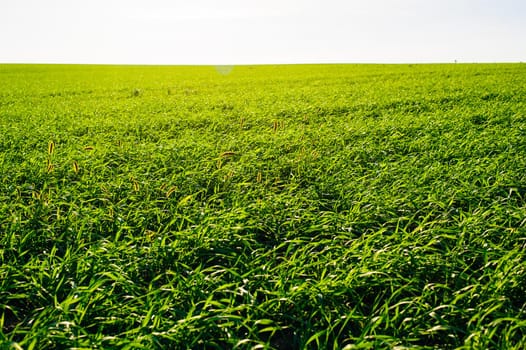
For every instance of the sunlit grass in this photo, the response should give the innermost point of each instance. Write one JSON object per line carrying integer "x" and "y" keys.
{"x": 280, "y": 207}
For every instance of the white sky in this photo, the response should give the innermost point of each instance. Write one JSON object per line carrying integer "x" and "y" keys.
{"x": 262, "y": 31}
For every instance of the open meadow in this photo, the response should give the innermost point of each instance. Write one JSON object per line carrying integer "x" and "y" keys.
{"x": 264, "y": 207}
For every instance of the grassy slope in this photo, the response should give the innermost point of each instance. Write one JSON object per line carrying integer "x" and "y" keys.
{"x": 366, "y": 205}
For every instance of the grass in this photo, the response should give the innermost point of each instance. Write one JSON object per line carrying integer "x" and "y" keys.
{"x": 277, "y": 207}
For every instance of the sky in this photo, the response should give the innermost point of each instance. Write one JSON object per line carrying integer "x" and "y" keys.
{"x": 261, "y": 31}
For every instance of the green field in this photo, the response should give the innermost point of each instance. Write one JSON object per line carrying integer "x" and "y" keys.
{"x": 279, "y": 207}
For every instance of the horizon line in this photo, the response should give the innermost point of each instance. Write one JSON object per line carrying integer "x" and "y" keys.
{"x": 257, "y": 64}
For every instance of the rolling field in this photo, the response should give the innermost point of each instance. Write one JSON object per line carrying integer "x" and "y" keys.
{"x": 278, "y": 207}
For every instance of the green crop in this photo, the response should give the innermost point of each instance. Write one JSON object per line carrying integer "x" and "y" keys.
{"x": 263, "y": 207}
